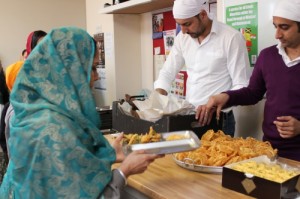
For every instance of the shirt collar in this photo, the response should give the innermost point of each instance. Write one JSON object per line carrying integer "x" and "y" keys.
{"x": 285, "y": 57}
{"x": 214, "y": 30}
{"x": 214, "y": 27}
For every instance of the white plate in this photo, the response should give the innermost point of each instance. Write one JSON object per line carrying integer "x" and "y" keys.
{"x": 199, "y": 168}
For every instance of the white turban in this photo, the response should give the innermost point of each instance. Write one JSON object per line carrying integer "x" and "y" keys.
{"x": 288, "y": 9}
{"x": 184, "y": 9}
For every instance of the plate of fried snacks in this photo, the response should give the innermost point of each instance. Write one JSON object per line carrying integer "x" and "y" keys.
{"x": 160, "y": 143}
{"x": 218, "y": 149}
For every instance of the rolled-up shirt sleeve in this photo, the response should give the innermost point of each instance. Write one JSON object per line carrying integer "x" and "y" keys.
{"x": 172, "y": 66}
{"x": 238, "y": 62}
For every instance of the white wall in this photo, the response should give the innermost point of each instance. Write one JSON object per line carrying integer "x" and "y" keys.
{"x": 128, "y": 54}
{"x": 18, "y": 18}
{"x": 96, "y": 23}
{"x": 123, "y": 56}
{"x": 147, "y": 51}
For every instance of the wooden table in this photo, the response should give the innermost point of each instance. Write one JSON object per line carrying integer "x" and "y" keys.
{"x": 164, "y": 179}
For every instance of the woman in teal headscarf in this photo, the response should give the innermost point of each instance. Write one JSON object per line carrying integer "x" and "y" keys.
{"x": 57, "y": 150}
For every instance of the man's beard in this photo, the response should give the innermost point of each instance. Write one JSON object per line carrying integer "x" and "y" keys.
{"x": 200, "y": 31}
{"x": 195, "y": 34}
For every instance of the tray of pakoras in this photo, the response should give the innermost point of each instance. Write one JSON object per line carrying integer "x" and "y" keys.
{"x": 217, "y": 149}
{"x": 160, "y": 143}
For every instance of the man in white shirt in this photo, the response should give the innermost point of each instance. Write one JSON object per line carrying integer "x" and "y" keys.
{"x": 214, "y": 54}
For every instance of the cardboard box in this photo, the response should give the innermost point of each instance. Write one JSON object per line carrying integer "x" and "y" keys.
{"x": 259, "y": 187}
{"x": 129, "y": 124}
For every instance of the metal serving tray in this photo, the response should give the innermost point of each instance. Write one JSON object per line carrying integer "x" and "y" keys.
{"x": 199, "y": 168}
{"x": 191, "y": 142}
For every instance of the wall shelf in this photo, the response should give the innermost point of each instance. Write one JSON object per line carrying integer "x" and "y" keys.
{"x": 137, "y": 6}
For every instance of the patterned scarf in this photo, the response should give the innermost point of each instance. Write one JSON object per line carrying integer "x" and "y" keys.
{"x": 57, "y": 150}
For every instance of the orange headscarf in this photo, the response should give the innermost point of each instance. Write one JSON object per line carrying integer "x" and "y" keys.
{"x": 11, "y": 73}
{"x": 13, "y": 69}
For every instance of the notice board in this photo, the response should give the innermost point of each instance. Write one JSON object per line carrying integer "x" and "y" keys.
{"x": 163, "y": 24}
{"x": 164, "y": 33}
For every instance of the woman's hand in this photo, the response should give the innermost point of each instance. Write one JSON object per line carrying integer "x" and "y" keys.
{"x": 117, "y": 145}
{"x": 137, "y": 162}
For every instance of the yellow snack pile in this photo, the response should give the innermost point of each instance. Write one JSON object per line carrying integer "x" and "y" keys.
{"x": 273, "y": 172}
{"x": 151, "y": 136}
{"x": 175, "y": 137}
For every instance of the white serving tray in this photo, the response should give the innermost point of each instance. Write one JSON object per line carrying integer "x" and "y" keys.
{"x": 191, "y": 142}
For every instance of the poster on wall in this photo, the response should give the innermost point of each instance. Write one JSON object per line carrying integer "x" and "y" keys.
{"x": 162, "y": 47}
{"x": 178, "y": 28}
{"x": 244, "y": 18}
{"x": 178, "y": 87}
{"x": 158, "y": 25}
{"x": 101, "y": 83}
{"x": 99, "y": 38}
{"x": 158, "y": 61}
{"x": 169, "y": 37}
{"x": 167, "y": 23}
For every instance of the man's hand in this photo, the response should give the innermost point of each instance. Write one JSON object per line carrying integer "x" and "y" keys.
{"x": 205, "y": 112}
{"x": 287, "y": 126}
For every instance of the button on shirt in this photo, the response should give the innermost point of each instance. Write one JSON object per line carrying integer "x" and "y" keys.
{"x": 218, "y": 64}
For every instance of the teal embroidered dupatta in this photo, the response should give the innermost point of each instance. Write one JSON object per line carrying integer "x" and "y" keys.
{"x": 56, "y": 148}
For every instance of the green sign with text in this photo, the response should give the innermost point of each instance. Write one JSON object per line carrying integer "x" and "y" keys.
{"x": 244, "y": 18}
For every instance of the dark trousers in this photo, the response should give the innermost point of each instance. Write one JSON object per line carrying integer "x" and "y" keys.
{"x": 228, "y": 125}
